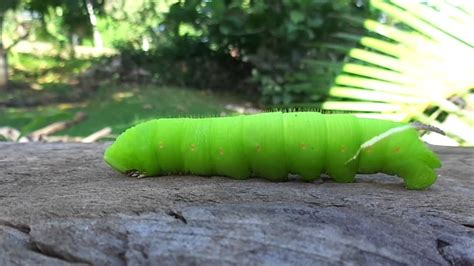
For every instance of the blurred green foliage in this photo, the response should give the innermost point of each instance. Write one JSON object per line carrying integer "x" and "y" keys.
{"x": 226, "y": 44}
{"x": 59, "y": 20}
{"x": 255, "y": 47}
{"x": 7, "y": 4}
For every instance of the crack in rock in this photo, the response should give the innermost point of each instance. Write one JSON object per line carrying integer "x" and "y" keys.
{"x": 24, "y": 228}
{"x": 52, "y": 253}
{"x": 177, "y": 215}
{"x": 441, "y": 246}
{"x": 454, "y": 253}
{"x": 468, "y": 225}
{"x": 24, "y": 247}
{"x": 123, "y": 254}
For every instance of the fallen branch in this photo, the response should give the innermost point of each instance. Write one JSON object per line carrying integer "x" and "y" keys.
{"x": 57, "y": 126}
{"x": 61, "y": 139}
{"x": 89, "y": 139}
{"x": 97, "y": 135}
{"x": 9, "y": 133}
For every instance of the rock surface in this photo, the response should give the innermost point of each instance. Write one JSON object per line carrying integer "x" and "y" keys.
{"x": 60, "y": 205}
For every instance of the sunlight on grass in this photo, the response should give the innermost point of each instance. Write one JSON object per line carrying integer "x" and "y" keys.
{"x": 120, "y": 107}
{"x": 69, "y": 106}
{"x": 44, "y": 93}
{"x": 138, "y": 104}
{"x": 119, "y": 96}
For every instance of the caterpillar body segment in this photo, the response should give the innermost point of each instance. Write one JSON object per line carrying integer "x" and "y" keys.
{"x": 272, "y": 145}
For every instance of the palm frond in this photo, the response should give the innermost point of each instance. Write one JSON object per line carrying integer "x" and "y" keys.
{"x": 419, "y": 67}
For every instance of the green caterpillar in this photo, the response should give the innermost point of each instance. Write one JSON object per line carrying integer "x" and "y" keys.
{"x": 272, "y": 145}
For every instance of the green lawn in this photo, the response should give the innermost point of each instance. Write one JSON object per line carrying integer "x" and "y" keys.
{"x": 119, "y": 107}
{"x": 112, "y": 104}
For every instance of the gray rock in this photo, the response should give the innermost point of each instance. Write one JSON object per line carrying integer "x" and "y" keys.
{"x": 60, "y": 204}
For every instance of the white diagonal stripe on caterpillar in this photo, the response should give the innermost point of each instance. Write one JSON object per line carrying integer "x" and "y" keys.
{"x": 378, "y": 138}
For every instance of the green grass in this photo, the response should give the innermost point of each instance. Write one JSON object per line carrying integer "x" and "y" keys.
{"x": 119, "y": 107}
{"x": 113, "y": 104}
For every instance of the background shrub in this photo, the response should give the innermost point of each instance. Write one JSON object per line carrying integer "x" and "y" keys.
{"x": 244, "y": 45}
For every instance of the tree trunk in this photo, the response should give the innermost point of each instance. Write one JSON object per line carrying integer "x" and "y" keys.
{"x": 3, "y": 59}
{"x": 98, "y": 43}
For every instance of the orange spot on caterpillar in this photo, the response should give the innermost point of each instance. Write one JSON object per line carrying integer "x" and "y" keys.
{"x": 304, "y": 146}
{"x": 258, "y": 147}
{"x": 221, "y": 151}
{"x": 343, "y": 148}
{"x": 193, "y": 147}
{"x": 397, "y": 149}
{"x": 161, "y": 145}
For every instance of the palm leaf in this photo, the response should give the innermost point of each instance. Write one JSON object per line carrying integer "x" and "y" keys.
{"x": 419, "y": 68}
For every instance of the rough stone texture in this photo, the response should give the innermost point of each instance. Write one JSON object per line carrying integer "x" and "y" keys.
{"x": 60, "y": 204}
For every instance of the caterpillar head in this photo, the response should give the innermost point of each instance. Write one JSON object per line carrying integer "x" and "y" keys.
{"x": 133, "y": 153}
